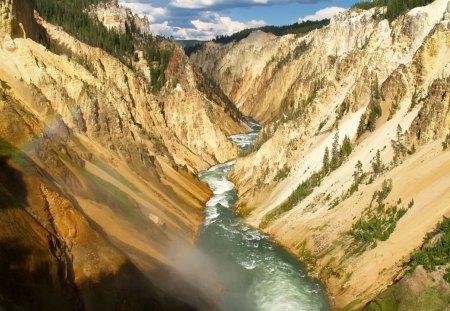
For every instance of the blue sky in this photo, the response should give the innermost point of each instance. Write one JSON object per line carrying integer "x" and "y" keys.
{"x": 204, "y": 19}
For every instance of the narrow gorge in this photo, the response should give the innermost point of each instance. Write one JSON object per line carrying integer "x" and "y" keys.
{"x": 254, "y": 273}
{"x": 298, "y": 171}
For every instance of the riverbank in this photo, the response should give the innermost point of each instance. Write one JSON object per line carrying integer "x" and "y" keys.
{"x": 254, "y": 272}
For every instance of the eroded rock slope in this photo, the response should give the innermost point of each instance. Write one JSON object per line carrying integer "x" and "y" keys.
{"x": 98, "y": 178}
{"x": 375, "y": 95}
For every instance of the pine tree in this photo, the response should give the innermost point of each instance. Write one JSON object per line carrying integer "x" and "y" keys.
{"x": 361, "y": 126}
{"x": 326, "y": 161}
{"x": 357, "y": 175}
{"x": 335, "y": 153}
{"x": 399, "y": 135}
{"x": 374, "y": 115}
{"x": 377, "y": 165}
{"x": 346, "y": 148}
{"x": 399, "y": 148}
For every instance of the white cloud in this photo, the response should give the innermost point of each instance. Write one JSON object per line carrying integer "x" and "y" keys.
{"x": 192, "y": 4}
{"x": 206, "y": 30}
{"x": 224, "y": 24}
{"x": 323, "y": 14}
{"x": 211, "y": 4}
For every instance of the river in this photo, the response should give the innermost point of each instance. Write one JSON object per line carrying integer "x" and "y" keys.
{"x": 256, "y": 274}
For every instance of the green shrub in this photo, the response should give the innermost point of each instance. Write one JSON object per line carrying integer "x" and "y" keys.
{"x": 378, "y": 222}
{"x": 386, "y": 188}
{"x": 343, "y": 109}
{"x": 346, "y": 148}
{"x": 436, "y": 249}
{"x": 305, "y": 253}
{"x": 447, "y": 275}
{"x": 298, "y": 195}
{"x": 369, "y": 119}
{"x": 377, "y": 227}
{"x": 282, "y": 173}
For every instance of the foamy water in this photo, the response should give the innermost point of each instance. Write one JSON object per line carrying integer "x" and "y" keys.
{"x": 255, "y": 273}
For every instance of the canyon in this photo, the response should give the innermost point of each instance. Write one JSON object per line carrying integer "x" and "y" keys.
{"x": 103, "y": 175}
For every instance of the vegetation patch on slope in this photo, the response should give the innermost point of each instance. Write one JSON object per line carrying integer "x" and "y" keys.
{"x": 395, "y": 8}
{"x": 114, "y": 174}
{"x": 379, "y": 219}
{"x": 436, "y": 250}
{"x": 74, "y": 18}
{"x": 10, "y": 152}
{"x": 7, "y": 150}
{"x": 331, "y": 162}
{"x": 413, "y": 295}
{"x": 422, "y": 288}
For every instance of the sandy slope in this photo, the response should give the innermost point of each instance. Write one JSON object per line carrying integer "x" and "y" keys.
{"x": 410, "y": 60}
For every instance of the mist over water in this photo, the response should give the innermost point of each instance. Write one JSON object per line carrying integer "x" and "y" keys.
{"x": 254, "y": 272}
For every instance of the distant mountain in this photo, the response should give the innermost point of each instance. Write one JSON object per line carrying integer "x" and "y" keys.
{"x": 190, "y": 43}
{"x": 191, "y": 46}
{"x": 296, "y": 28}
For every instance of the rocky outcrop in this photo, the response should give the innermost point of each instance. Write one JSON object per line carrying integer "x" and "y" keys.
{"x": 17, "y": 19}
{"x": 119, "y": 18}
{"x": 384, "y": 85}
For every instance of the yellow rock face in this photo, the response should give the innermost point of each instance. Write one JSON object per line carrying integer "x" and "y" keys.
{"x": 305, "y": 89}
{"x": 107, "y": 169}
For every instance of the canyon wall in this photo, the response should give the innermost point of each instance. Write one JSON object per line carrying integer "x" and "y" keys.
{"x": 98, "y": 188}
{"x": 383, "y": 86}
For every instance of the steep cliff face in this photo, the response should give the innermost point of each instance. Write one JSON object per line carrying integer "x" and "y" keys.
{"x": 17, "y": 20}
{"x": 53, "y": 259}
{"x": 236, "y": 69}
{"x": 266, "y": 76}
{"x": 53, "y": 256}
{"x": 105, "y": 170}
{"x": 382, "y": 84}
